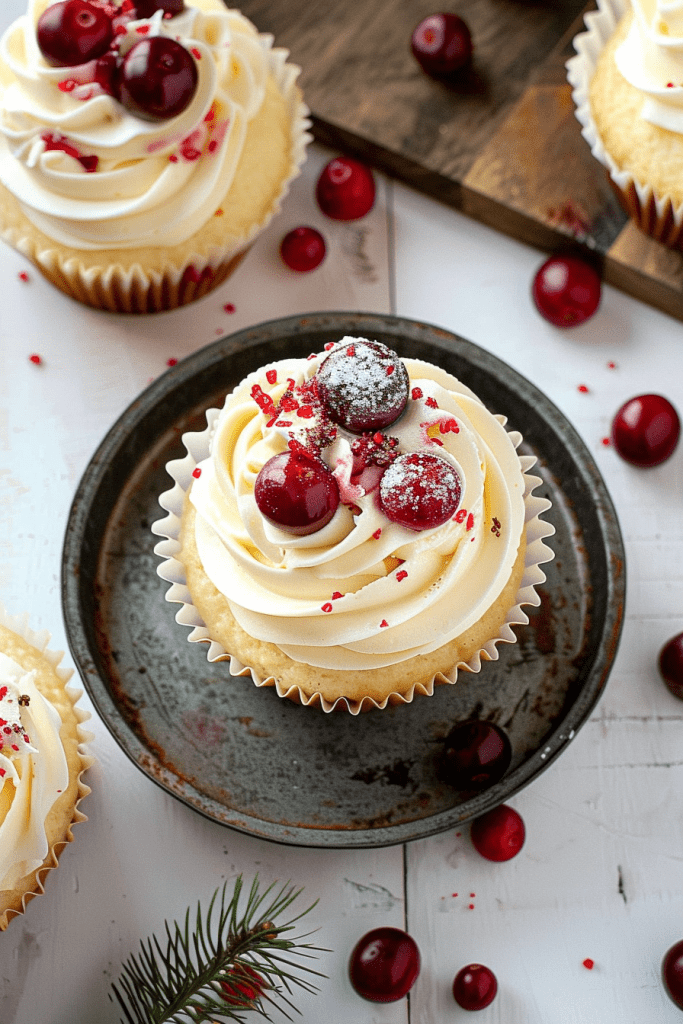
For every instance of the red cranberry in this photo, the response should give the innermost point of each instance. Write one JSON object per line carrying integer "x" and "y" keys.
{"x": 73, "y": 32}
{"x": 363, "y": 386}
{"x": 345, "y": 189}
{"x": 157, "y": 78}
{"x": 296, "y": 492}
{"x": 146, "y": 8}
{"x": 476, "y": 754}
{"x": 474, "y": 987}
{"x": 384, "y": 965}
{"x": 303, "y": 249}
{"x": 442, "y": 44}
{"x": 671, "y": 665}
{"x": 499, "y": 834}
{"x": 243, "y": 987}
{"x": 419, "y": 491}
{"x": 646, "y": 429}
{"x": 672, "y": 973}
{"x": 566, "y": 291}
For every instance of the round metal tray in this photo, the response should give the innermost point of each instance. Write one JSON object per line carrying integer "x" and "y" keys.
{"x": 265, "y": 766}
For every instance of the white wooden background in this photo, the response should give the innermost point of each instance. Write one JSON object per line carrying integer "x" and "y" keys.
{"x": 601, "y": 873}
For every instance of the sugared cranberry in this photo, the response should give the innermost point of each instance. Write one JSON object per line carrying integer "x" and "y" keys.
{"x": 243, "y": 987}
{"x": 146, "y": 8}
{"x": 157, "y": 78}
{"x": 296, "y": 492}
{"x": 419, "y": 491}
{"x": 345, "y": 189}
{"x": 671, "y": 665}
{"x": 566, "y": 291}
{"x": 384, "y": 965}
{"x": 474, "y": 987}
{"x": 73, "y": 32}
{"x": 646, "y": 429}
{"x": 476, "y": 754}
{"x": 442, "y": 44}
{"x": 672, "y": 973}
{"x": 499, "y": 834}
{"x": 303, "y": 249}
{"x": 363, "y": 385}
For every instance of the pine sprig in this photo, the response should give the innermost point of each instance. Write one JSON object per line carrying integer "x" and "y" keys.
{"x": 226, "y": 961}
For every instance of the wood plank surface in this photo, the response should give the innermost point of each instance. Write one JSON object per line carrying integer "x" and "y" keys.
{"x": 501, "y": 144}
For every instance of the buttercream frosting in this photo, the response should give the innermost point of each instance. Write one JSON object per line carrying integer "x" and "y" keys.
{"x": 651, "y": 59}
{"x": 362, "y": 591}
{"x": 33, "y": 771}
{"x": 92, "y": 175}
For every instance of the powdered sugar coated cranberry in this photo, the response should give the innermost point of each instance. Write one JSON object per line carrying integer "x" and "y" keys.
{"x": 363, "y": 385}
{"x": 420, "y": 491}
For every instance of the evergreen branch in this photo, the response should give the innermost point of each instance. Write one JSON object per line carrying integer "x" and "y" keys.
{"x": 235, "y": 959}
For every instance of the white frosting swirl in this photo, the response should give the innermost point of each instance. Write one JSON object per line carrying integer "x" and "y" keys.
{"x": 362, "y": 591}
{"x": 33, "y": 771}
{"x": 651, "y": 60}
{"x": 156, "y": 183}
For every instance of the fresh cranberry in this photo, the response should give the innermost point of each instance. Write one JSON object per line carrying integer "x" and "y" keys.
{"x": 296, "y": 492}
{"x": 442, "y": 44}
{"x": 146, "y": 8}
{"x": 474, "y": 987}
{"x": 566, "y": 291}
{"x": 476, "y": 754}
{"x": 105, "y": 72}
{"x": 303, "y": 249}
{"x": 243, "y": 987}
{"x": 384, "y": 965}
{"x": 419, "y": 491}
{"x": 499, "y": 834}
{"x": 646, "y": 429}
{"x": 345, "y": 189}
{"x": 672, "y": 973}
{"x": 671, "y": 665}
{"x": 364, "y": 385}
{"x": 157, "y": 78}
{"x": 73, "y": 32}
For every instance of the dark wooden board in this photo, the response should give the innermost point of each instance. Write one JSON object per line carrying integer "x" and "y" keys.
{"x": 502, "y": 145}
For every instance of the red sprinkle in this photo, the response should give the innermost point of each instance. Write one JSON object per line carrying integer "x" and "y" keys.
{"x": 588, "y": 963}
{"x": 460, "y": 515}
{"x": 336, "y": 595}
{"x": 583, "y": 389}
{"x": 195, "y": 53}
{"x": 611, "y": 365}
{"x": 173, "y": 158}
{"x": 142, "y": 30}
{"x": 196, "y": 472}
{"x": 401, "y": 575}
{"x": 449, "y": 426}
{"x": 23, "y": 276}
{"x": 383, "y": 623}
{"x": 219, "y": 213}
{"x": 416, "y": 393}
{"x": 390, "y": 370}
{"x": 172, "y": 361}
{"x": 327, "y": 607}
{"x": 68, "y": 85}
{"x": 35, "y": 358}
{"x": 329, "y": 345}
{"x": 271, "y": 376}
{"x": 377, "y": 534}
{"x": 228, "y": 308}
{"x": 470, "y": 522}
{"x": 606, "y": 441}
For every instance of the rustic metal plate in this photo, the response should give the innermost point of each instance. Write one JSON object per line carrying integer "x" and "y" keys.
{"x": 265, "y": 766}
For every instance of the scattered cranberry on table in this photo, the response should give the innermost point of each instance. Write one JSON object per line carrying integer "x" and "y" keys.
{"x": 645, "y": 431}
{"x": 296, "y": 492}
{"x": 73, "y": 32}
{"x": 476, "y": 754}
{"x": 345, "y": 189}
{"x": 499, "y": 834}
{"x": 384, "y": 965}
{"x": 157, "y": 78}
{"x": 566, "y": 291}
{"x": 671, "y": 665}
{"x": 442, "y": 45}
{"x": 672, "y": 973}
{"x": 303, "y": 249}
{"x": 475, "y": 987}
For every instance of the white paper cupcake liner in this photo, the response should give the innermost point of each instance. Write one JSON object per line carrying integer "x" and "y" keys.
{"x": 173, "y": 571}
{"x": 654, "y": 214}
{"x": 19, "y": 624}
{"x": 138, "y": 290}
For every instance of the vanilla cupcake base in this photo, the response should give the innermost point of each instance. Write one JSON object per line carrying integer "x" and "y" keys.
{"x": 643, "y": 160}
{"x": 207, "y": 612}
{"x": 30, "y": 650}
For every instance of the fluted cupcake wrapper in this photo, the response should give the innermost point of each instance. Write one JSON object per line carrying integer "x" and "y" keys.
{"x": 173, "y": 572}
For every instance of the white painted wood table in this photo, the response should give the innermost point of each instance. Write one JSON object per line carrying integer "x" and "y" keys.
{"x": 601, "y": 873}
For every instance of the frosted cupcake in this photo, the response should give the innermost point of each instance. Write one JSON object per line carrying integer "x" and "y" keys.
{"x": 627, "y": 83}
{"x": 42, "y": 757}
{"x": 352, "y": 528}
{"x": 143, "y": 146}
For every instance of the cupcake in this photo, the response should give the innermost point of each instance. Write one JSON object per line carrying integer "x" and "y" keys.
{"x": 627, "y": 80}
{"x": 143, "y": 145}
{"x": 352, "y": 528}
{"x": 42, "y": 757}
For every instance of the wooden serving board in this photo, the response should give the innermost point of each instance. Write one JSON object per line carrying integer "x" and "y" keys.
{"x": 502, "y": 145}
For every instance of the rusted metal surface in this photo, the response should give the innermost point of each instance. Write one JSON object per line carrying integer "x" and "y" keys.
{"x": 225, "y": 747}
